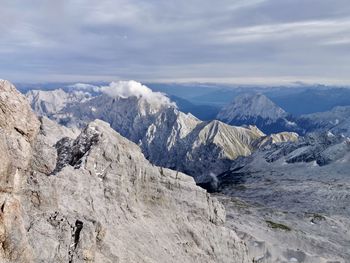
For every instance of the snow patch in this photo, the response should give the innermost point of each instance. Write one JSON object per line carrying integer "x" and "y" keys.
{"x": 330, "y": 134}
{"x": 214, "y": 179}
{"x": 290, "y": 123}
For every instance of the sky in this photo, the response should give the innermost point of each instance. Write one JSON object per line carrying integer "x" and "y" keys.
{"x": 222, "y": 41}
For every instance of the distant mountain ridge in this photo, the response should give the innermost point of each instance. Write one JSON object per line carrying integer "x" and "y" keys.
{"x": 259, "y": 110}
{"x": 48, "y": 102}
{"x": 167, "y": 136}
{"x": 313, "y": 100}
{"x": 248, "y": 106}
{"x": 336, "y": 120}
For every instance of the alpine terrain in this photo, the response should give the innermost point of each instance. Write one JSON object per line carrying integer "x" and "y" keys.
{"x": 167, "y": 136}
{"x": 95, "y": 198}
{"x": 84, "y": 182}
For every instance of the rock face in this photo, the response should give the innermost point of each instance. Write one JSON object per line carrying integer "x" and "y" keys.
{"x": 167, "y": 136}
{"x": 46, "y": 103}
{"x": 18, "y": 130}
{"x": 95, "y": 198}
{"x": 257, "y": 109}
{"x": 53, "y": 132}
{"x": 14, "y": 105}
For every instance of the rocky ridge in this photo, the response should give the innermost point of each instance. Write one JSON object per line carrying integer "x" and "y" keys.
{"x": 46, "y": 103}
{"x": 167, "y": 136}
{"x": 95, "y": 198}
{"x": 335, "y": 121}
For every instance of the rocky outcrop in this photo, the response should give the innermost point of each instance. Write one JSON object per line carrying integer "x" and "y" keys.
{"x": 277, "y": 139}
{"x": 18, "y": 131}
{"x": 16, "y": 114}
{"x": 95, "y": 198}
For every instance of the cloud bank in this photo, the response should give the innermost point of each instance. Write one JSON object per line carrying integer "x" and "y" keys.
{"x": 187, "y": 40}
{"x": 131, "y": 88}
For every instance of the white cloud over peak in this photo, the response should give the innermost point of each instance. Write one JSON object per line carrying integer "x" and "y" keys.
{"x": 126, "y": 89}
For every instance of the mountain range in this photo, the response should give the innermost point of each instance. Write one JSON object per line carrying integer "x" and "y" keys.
{"x": 259, "y": 110}
{"x": 88, "y": 180}
{"x": 95, "y": 198}
{"x": 167, "y": 136}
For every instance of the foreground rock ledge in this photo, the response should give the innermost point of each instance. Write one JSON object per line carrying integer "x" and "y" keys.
{"x": 97, "y": 199}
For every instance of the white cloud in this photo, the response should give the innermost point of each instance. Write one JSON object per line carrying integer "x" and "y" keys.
{"x": 337, "y": 41}
{"x": 126, "y": 89}
{"x": 85, "y": 87}
{"x": 321, "y": 28}
{"x": 86, "y": 40}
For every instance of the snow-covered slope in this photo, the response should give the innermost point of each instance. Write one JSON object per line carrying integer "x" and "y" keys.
{"x": 296, "y": 192}
{"x": 167, "y": 136}
{"x": 247, "y": 106}
{"x": 336, "y": 121}
{"x": 45, "y": 103}
{"x": 257, "y": 109}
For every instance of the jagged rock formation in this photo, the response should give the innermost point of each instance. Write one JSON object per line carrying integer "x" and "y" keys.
{"x": 53, "y": 132}
{"x": 95, "y": 198}
{"x": 258, "y": 110}
{"x": 277, "y": 139}
{"x": 319, "y": 149}
{"x": 167, "y": 136}
{"x": 46, "y": 103}
{"x": 18, "y": 130}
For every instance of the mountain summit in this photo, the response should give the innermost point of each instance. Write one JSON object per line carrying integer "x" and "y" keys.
{"x": 259, "y": 110}
{"x": 247, "y": 106}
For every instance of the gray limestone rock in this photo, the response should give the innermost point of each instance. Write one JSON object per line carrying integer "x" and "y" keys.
{"x": 95, "y": 198}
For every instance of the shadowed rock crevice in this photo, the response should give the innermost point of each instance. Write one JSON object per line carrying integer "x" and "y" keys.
{"x": 78, "y": 227}
{"x": 76, "y": 238}
{"x": 71, "y": 152}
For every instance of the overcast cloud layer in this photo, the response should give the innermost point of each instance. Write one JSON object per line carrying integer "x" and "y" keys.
{"x": 239, "y": 41}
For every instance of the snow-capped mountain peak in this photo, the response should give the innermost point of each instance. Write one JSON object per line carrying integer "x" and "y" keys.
{"x": 258, "y": 110}
{"x": 248, "y": 106}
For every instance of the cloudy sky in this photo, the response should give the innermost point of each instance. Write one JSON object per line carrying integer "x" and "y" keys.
{"x": 233, "y": 41}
